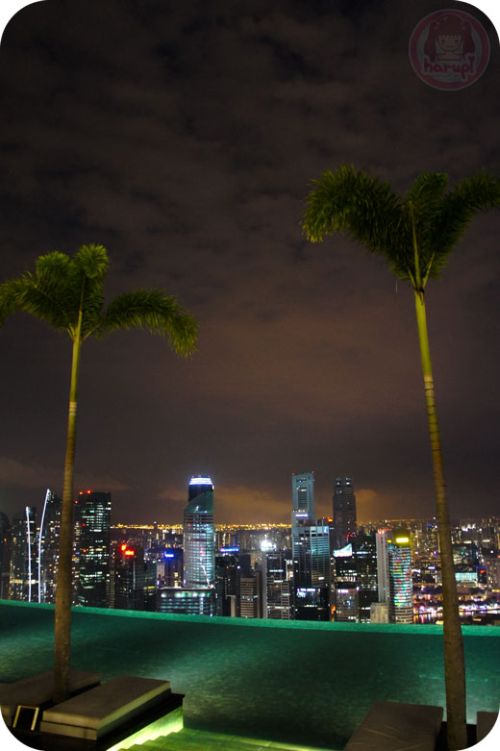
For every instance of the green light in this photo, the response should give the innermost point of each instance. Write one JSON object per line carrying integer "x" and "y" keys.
{"x": 170, "y": 723}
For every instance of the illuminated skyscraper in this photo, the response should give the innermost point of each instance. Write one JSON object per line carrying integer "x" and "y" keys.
{"x": 310, "y": 553}
{"x": 48, "y": 547}
{"x": 344, "y": 512}
{"x": 94, "y": 515}
{"x": 311, "y": 573}
{"x": 383, "y": 564}
{"x": 400, "y": 577}
{"x": 277, "y": 589}
{"x": 199, "y": 535}
{"x": 23, "y": 584}
{"x": 5, "y": 541}
{"x": 302, "y": 502}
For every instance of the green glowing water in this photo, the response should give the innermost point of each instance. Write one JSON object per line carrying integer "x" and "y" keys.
{"x": 306, "y": 683}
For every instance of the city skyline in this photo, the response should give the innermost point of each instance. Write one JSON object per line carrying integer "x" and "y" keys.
{"x": 185, "y": 141}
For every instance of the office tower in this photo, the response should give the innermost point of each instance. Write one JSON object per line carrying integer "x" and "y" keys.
{"x": 23, "y": 582}
{"x": 400, "y": 577}
{"x": 197, "y": 594}
{"x": 134, "y": 579}
{"x": 311, "y": 572}
{"x": 344, "y": 512}
{"x": 466, "y": 562}
{"x": 277, "y": 576}
{"x": 186, "y": 600}
{"x": 199, "y": 535}
{"x": 227, "y": 573}
{"x": 346, "y": 600}
{"x": 383, "y": 564}
{"x": 250, "y": 595}
{"x": 365, "y": 555}
{"x": 169, "y": 567}
{"x": 355, "y": 579}
{"x": 310, "y": 553}
{"x": 48, "y": 547}
{"x": 94, "y": 520}
{"x": 303, "y": 511}
{"x": 5, "y": 543}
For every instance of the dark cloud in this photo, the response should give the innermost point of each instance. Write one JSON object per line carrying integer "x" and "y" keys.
{"x": 184, "y": 136}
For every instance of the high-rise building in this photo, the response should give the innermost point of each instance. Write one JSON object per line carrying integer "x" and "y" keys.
{"x": 383, "y": 564}
{"x": 134, "y": 579}
{"x": 277, "y": 575}
{"x": 346, "y": 585}
{"x": 199, "y": 535}
{"x": 94, "y": 519}
{"x": 23, "y": 581}
{"x": 303, "y": 511}
{"x": 400, "y": 577}
{"x": 186, "y": 600}
{"x": 227, "y": 573}
{"x": 310, "y": 553}
{"x": 311, "y": 572}
{"x": 365, "y": 554}
{"x": 5, "y": 543}
{"x": 250, "y": 595}
{"x": 48, "y": 547}
{"x": 344, "y": 512}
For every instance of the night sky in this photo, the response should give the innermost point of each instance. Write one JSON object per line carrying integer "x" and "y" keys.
{"x": 184, "y": 137}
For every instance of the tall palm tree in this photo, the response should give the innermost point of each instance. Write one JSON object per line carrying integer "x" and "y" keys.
{"x": 415, "y": 234}
{"x": 67, "y": 292}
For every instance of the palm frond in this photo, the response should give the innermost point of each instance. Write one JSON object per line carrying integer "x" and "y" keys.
{"x": 28, "y": 296}
{"x": 92, "y": 260}
{"x": 362, "y": 207}
{"x": 469, "y": 197}
{"x": 154, "y": 311}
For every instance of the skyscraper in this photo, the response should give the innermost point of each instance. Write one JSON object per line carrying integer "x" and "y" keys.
{"x": 134, "y": 579}
{"x": 302, "y": 501}
{"x": 94, "y": 514}
{"x": 23, "y": 583}
{"x": 310, "y": 553}
{"x": 277, "y": 585}
{"x": 383, "y": 564}
{"x": 199, "y": 535}
{"x": 4, "y": 556}
{"x": 48, "y": 547}
{"x": 400, "y": 577}
{"x": 344, "y": 512}
{"x": 365, "y": 554}
{"x": 311, "y": 573}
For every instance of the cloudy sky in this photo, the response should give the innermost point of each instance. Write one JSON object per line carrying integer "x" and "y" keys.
{"x": 184, "y": 137}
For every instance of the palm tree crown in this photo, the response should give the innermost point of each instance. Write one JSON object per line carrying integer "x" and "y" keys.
{"x": 415, "y": 233}
{"x": 68, "y": 293}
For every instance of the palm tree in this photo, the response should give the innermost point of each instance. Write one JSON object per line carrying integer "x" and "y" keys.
{"x": 68, "y": 293}
{"x": 415, "y": 234}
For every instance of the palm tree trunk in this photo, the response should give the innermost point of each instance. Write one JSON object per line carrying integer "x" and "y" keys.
{"x": 454, "y": 663}
{"x": 64, "y": 589}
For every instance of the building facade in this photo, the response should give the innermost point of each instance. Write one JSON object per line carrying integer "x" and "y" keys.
{"x": 23, "y": 574}
{"x": 199, "y": 535}
{"x": 48, "y": 547}
{"x": 344, "y": 511}
{"x": 94, "y": 548}
{"x": 400, "y": 577}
